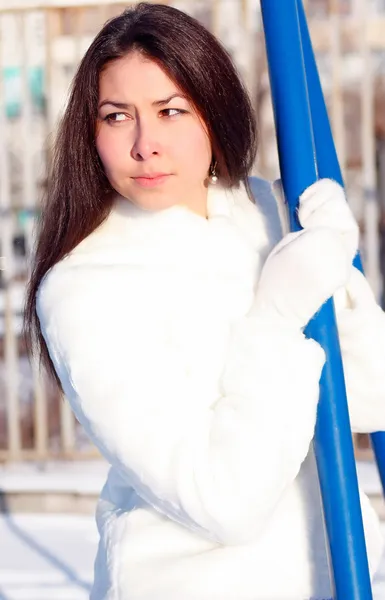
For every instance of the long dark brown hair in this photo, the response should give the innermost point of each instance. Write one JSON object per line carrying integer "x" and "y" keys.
{"x": 79, "y": 195}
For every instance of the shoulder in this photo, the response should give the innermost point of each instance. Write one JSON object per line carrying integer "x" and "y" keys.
{"x": 85, "y": 289}
{"x": 88, "y": 308}
{"x": 127, "y": 254}
{"x": 66, "y": 293}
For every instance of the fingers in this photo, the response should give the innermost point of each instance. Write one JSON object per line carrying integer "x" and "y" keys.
{"x": 321, "y": 201}
{"x": 324, "y": 204}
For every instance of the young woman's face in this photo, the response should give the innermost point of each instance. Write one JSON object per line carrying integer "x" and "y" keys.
{"x": 154, "y": 147}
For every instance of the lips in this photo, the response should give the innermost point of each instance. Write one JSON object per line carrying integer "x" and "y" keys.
{"x": 150, "y": 175}
{"x": 151, "y": 180}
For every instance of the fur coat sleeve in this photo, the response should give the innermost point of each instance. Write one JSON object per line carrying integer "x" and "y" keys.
{"x": 361, "y": 328}
{"x": 216, "y": 458}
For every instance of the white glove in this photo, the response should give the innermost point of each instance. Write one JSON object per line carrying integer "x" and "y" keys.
{"x": 324, "y": 204}
{"x": 308, "y": 267}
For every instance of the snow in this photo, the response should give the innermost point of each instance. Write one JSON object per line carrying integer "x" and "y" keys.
{"x": 81, "y": 477}
{"x": 46, "y": 557}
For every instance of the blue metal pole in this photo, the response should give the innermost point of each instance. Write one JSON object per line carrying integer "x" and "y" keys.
{"x": 333, "y": 442}
{"x": 328, "y": 166}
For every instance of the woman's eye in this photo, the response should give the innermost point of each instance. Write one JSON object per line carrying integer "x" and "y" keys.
{"x": 172, "y": 112}
{"x": 115, "y": 117}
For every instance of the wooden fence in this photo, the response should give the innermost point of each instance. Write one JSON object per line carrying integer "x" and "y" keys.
{"x": 41, "y": 43}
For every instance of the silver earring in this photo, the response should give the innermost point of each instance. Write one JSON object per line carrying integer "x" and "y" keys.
{"x": 213, "y": 174}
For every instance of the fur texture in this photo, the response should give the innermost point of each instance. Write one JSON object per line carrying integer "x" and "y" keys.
{"x": 205, "y": 412}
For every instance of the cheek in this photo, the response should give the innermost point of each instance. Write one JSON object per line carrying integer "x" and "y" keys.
{"x": 105, "y": 150}
{"x": 194, "y": 150}
{"x": 109, "y": 149}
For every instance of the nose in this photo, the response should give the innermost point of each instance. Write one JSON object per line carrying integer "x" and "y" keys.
{"x": 146, "y": 143}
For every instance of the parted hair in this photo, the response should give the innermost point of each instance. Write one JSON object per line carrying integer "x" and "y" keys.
{"x": 79, "y": 196}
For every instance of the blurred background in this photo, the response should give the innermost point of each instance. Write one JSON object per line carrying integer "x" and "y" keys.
{"x": 50, "y": 475}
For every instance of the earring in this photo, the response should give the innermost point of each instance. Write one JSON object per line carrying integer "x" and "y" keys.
{"x": 213, "y": 174}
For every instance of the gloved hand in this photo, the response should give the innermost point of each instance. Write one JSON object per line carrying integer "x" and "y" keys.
{"x": 324, "y": 204}
{"x": 308, "y": 267}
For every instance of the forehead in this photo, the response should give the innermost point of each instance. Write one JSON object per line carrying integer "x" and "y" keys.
{"x": 137, "y": 77}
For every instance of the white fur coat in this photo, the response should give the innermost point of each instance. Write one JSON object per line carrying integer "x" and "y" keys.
{"x": 205, "y": 413}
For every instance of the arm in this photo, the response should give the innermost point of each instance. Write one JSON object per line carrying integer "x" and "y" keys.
{"x": 218, "y": 467}
{"x": 361, "y": 323}
{"x": 361, "y": 328}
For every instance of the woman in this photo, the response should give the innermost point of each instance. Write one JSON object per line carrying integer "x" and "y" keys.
{"x": 185, "y": 360}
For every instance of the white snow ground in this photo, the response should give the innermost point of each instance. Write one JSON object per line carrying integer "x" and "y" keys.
{"x": 46, "y": 556}
{"x": 50, "y": 556}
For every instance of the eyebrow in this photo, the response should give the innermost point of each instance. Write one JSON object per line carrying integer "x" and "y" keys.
{"x": 124, "y": 106}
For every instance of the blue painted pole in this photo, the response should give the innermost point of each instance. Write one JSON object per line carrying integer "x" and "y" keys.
{"x": 333, "y": 442}
{"x": 328, "y": 166}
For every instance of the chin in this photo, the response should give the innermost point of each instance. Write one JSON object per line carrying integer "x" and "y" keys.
{"x": 150, "y": 200}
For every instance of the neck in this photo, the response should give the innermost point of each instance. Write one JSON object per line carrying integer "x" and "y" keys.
{"x": 196, "y": 201}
